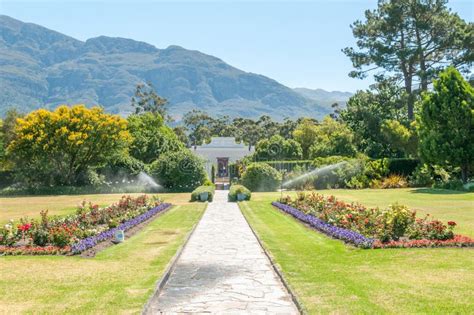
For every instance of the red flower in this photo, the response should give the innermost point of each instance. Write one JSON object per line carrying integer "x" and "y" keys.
{"x": 451, "y": 223}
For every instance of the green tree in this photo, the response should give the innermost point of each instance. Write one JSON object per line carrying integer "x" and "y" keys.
{"x": 59, "y": 147}
{"x": 332, "y": 138}
{"x": 147, "y": 100}
{"x": 9, "y": 124}
{"x": 268, "y": 127}
{"x": 180, "y": 132}
{"x": 410, "y": 40}
{"x": 304, "y": 134}
{"x": 446, "y": 123}
{"x": 287, "y": 127}
{"x": 365, "y": 113}
{"x": 2, "y": 146}
{"x": 400, "y": 137}
{"x": 179, "y": 171}
{"x": 223, "y": 127}
{"x": 277, "y": 148}
{"x": 247, "y": 130}
{"x": 198, "y": 123}
{"x": 151, "y": 137}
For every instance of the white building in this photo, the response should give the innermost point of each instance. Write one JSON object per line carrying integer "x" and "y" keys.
{"x": 222, "y": 151}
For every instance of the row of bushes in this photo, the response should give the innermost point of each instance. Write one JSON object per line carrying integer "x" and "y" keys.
{"x": 329, "y": 172}
{"x": 206, "y": 193}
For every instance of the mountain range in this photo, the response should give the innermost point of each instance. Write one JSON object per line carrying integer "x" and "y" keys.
{"x": 40, "y": 67}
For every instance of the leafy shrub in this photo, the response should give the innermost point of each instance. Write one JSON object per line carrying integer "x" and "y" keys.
{"x": 61, "y": 236}
{"x": 394, "y": 181}
{"x": 453, "y": 184}
{"x": 179, "y": 171}
{"x": 431, "y": 229}
{"x": 195, "y": 195}
{"x": 422, "y": 176}
{"x": 8, "y": 234}
{"x": 277, "y": 148}
{"x": 261, "y": 177}
{"x": 365, "y": 173}
{"x": 396, "y": 220}
{"x": 235, "y": 190}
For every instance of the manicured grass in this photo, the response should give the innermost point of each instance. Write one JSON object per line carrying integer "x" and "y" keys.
{"x": 444, "y": 205}
{"x": 331, "y": 277}
{"x": 18, "y": 207}
{"x": 119, "y": 279}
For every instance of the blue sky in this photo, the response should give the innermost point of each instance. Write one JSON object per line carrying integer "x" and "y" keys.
{"x": 296, "y": 43}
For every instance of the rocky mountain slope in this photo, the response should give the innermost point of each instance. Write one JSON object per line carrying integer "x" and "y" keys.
{"x": 43, "y": 68}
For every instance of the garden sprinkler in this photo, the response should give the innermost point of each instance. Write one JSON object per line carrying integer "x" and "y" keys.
{"x": 283, "y": 173}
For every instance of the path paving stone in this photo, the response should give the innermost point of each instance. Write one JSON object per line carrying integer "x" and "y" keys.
{"x": 223, "y": 270}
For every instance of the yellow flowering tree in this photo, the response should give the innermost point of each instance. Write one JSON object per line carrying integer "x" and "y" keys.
{"x": 59, "y": 147}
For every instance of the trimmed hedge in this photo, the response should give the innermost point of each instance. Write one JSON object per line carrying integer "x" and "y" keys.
{"x": 329, "y": 160}
{"x": 289, "y": 165}
{"x": 402, "y": 166}
{"x": 6, "y": 178}
{"x": 239, "y": 189}
{"x": 202, "y": 189}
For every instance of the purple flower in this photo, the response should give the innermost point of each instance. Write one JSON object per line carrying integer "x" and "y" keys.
{"x": 90, "y": 242}
{"x": 346, "y": 235}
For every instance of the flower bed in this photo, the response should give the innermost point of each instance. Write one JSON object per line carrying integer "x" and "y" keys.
{"x": 328, "y": 229}
{"x": 78, "y": 232}
{"x": 394, "y": 227}
{"x": 90, "y": 242}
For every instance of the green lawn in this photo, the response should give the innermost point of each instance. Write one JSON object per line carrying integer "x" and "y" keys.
{"x": 17, "y": 207}
{"x": 119, "y": 279}
{"x": 330, "y": 277}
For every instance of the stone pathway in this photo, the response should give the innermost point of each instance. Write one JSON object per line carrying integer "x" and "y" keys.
{"x": 223, "y": 269}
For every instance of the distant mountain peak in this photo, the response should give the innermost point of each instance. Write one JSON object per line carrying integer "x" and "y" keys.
{"x": 44, "y": 68}
{"x": 107, "y": 45}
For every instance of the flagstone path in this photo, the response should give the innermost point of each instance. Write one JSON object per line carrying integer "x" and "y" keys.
{"x": 223, "y": 269}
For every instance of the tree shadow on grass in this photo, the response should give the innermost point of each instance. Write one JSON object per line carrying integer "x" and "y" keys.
{"x": 437, "y": 191}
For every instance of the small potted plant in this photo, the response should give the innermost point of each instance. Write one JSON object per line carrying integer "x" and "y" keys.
{"x": 204, "y": 196}
{"x": 119, "y": 236}
{"x": 241, "y": 196}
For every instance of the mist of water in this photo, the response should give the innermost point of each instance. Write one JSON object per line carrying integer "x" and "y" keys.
{"x": 325, "y": 170}
{"x": 145, "y": 180}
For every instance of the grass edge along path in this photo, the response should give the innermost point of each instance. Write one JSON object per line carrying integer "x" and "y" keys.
{"x": 119, "y": 279}
{"x": 330, "y": 277}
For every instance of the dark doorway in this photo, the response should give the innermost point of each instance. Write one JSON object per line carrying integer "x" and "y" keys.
{"x": 222, "y": 167}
